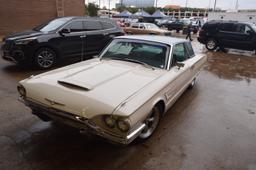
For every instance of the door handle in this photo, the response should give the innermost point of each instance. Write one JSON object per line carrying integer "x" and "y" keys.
{"x": 82, "y": 36}
{"x": 105, "y": 34}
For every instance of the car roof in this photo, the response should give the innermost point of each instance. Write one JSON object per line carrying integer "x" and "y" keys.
{"x": 225, "y": 22}
{"x": 89, "y": 18}
{"x": 154, "y": 38}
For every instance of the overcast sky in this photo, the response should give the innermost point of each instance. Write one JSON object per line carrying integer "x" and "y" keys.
{"x": 224, "y": 4}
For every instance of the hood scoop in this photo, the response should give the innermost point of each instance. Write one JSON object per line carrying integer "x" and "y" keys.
{"x": 75, "y": 84}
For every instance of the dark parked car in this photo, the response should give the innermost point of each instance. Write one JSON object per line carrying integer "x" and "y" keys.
{"x": 228, "y": 34}
{"x": 61, "y": 38}
{"x": 181, "y": 24}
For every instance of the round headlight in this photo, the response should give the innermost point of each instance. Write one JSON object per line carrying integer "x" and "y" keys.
{"x": 123, "y": 125}
{"x": 22, "y": 91}
{"x": 110, "y": 121}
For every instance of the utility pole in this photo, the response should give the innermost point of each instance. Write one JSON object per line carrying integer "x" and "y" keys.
{"x": 237, "y": 5}
{"x": 209, "y": 6}
{"x": 186, "y": 3}
{"x": 109, "y": 8}
{"x": 156, "y": 3}
{"x": 214, "y": 8}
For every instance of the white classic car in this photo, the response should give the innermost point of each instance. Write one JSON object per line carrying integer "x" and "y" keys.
{"x": 120, "y": 95}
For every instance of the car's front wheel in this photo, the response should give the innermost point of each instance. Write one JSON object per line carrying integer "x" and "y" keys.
{"x": 211, "y": 44}
{"x": 151, "y": 122}
{"x": 45, "y": 58}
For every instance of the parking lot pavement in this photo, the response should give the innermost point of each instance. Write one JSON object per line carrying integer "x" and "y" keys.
{"x": 212, "y": 126}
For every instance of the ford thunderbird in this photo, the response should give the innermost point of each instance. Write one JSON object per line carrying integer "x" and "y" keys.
{"x": 122, "y": 94}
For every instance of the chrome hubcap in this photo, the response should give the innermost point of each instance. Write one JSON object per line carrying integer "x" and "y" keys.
{"x": 151, "y": 124}
{"x": 45, "y": 59}
{"x": 193, "y": 82}
{"x": 211, "y": 44}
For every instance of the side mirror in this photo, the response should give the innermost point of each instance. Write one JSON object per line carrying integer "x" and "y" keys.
{"x": 64, "y": 31}
{"x": 180, "y": 64}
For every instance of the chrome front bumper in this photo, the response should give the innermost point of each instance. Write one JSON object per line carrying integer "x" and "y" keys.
{"x": 83, "y": 124}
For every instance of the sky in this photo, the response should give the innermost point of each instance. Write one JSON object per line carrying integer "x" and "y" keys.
{"x": 223, "y": 4}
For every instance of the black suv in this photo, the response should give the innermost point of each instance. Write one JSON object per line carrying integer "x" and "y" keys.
{"x": 228, "y": 34}
{"x": 61, "y": 38}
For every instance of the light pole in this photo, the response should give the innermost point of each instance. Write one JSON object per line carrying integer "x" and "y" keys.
{"x": 186, "y": 3}
{"x": 109, "y": 8}
{"x": 156, "y": 3}
{"x": 237, "y": 5}
{"x": 209, "y": 6}
{"x": 214, "y": 8}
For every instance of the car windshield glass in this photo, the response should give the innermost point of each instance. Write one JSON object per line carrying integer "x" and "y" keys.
{"x": 150, "y": 54}
{"x": 52, "y": 25}
{"x": 151, "y": 26}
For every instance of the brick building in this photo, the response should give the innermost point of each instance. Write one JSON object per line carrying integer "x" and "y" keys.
{"x": 18, "y": 15}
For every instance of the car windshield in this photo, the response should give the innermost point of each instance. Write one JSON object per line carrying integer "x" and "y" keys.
{"x": 52, "y": 25}
{"x": 151, "y": 26}
{"x": 147, "y": 54}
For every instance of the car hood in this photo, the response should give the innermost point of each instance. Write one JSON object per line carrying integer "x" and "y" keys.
{"x": 93, "y": 87}
{"x": 24, "y": 34}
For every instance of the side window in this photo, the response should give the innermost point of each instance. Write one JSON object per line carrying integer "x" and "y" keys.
{"x": 142, "y": 26}
{"x": 179, "y": 53}
{"x": 107, "y": 25}
{"x": 191, "y": 52}
{"x": 226, "y": 27}
{"x": 92, "y": 25}
{"x": 239, "y": 28}
{"x": 135, "y": 25}
{"x": 247, "y": 29}
{"x": 75, "y": 26}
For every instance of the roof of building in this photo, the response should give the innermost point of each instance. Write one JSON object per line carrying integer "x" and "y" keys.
{"x": 172, "y": 6}
{"x": 154, "y": 38}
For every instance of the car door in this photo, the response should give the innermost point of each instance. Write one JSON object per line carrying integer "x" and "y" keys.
{"x": 71, "y": 43}
{"x": 195, "y": 62}
{"x": 225, "y": 35}
{"x": 142, "y": 29}
{"x": 180, "y": 75}
{"x": 94, "y": 37}
{"x": 242, "y": 37}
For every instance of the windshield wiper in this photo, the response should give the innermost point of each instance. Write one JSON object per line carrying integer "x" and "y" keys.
{"x": 129, "y": 60}
{"x": 139, "y": 62}
{"x": 111, "y": 58}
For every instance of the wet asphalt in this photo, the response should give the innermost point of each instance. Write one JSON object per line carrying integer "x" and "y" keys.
{"x": 212, "y": 126}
